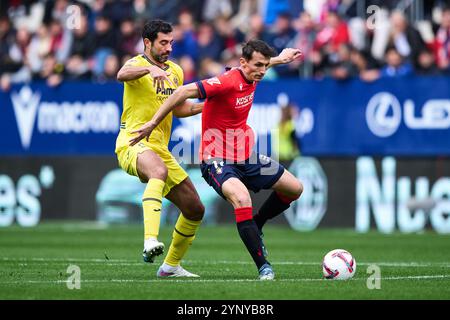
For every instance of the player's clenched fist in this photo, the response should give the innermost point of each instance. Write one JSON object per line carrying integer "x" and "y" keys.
{"x": 290, "y": 54}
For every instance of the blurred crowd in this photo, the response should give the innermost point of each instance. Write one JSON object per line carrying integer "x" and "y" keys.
{"x": 90, "y": 39}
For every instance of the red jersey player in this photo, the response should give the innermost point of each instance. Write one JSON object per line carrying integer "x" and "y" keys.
{"x": 228, "y": 163}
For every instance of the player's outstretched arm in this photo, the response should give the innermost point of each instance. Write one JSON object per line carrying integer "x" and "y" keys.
{"x": 129, "y": 73}
{"x": 179, "y": 96}
{"x": 286, "y": 56}
{"x": 188, "y": 109}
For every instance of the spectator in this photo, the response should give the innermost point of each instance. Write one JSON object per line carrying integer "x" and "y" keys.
{"x": 188, "y": 65}
{"x": 78, "y": 63}
{"x": 247, "y": 8}
{"x": 426, "y": 64}
{"x": 277, "y": 7}
{"x": 280, "y": 37}
{"x": 304, "y": 39}
{"x": 209, "y": 44}
{"x": 42, "y": 33}
{"x": 257, "y": 29}
{"x": 119, "y": 11}
{"x": 7, "y": 39}
{"x": 329, "y": 39}
{"x": 128, "y": 38}
{"x": 39, "y": 48}
{"x": 195, "y": 7}
{"x": 230, "y": 57}
{"x": 442, "y": 42}
{"x": 282, "y": 32}
{"x": 104, "y": 35}
{"x": 209, "y": 68}
{"x": 98, "y": 8}
{"x": 19, "y": 50}
{"x": 405, "y": 38}
{"x": 366, "y": 67}
{"x": 327, "y": 7}
{"x": 61, "y": 41}
{"x": 229, "y": 36}
{"x": 166, "y": 10}
{"x": 333, "y": 34}
{"x": 77, "y": 68}
{"x": 140, "y": 11}
{"x": 185, "y": 42}
{"x": 104, "y": 44}
{"x": 216, "y": 8}
{"x": 343, "y": 68}
{"x": 83, "y": 40}
{"x": 51, "y": 71}
{"x": 17, "y": 60}
{"x": 395, "y": 64}
{"x": 59, "y": 12}
{"x": 109, "y": 70}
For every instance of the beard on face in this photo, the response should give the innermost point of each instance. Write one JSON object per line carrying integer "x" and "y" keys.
{"x": 161, "y": 58}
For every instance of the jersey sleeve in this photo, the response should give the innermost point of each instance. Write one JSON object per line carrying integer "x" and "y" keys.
{"x": 210, "y": 87}
{"x": 133, "y": 62}
{"x": 180, "y": 76}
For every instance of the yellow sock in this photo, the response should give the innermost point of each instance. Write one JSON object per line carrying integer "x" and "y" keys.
{"x": 182, "y": 237}
{"x": 151, "y": 204}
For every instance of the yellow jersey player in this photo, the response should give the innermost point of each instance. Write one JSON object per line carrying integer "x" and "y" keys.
{"x": 149, "y": 79}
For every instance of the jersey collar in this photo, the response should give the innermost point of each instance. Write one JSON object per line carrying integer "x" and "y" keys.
{"x": 243, "y": 77}
{"x": 166, "y": 66}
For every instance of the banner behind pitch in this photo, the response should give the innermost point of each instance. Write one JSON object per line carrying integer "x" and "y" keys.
{"x": 349, "y": 118}
{"x": 363, "y": 193}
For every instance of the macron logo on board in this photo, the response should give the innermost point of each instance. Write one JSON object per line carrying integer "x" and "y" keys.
{"x": 25, "y": 105}
{"x": 65, "y": 117}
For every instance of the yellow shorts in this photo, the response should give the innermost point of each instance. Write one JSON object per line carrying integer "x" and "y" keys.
{"x": 127, "y": 156}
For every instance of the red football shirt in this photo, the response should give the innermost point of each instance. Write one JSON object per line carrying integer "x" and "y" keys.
{"x": 225, "y": 133}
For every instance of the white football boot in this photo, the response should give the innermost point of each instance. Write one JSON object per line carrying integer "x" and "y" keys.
{"x": 152, "y": 249}
{"x": 166, "y": 271}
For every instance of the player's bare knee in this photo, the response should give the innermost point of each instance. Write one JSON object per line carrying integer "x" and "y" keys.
{"x": 296, "y": 190}
{"x": 196, "y": 211}
{"x": 200, "y": 210}
{"x": 242, "y": 200}
{"x": 159, "y": 172}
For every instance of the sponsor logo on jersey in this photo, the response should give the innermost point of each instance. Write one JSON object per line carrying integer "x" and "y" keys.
{"x": 244, "y": 101}
{"x": 164, "y": 91}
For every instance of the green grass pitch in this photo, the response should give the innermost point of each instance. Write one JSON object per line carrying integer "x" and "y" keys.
{"x": 34, "y": 264}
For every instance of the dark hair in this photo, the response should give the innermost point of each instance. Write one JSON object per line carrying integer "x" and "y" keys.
{"x": 391, "y": 48}
{"x": 258, "y": 46}
{"x": 152, "y": 28}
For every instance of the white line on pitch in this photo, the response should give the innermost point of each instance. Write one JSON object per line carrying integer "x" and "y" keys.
{"x": 420, "y": 277}
{"x": 124, "y": 262}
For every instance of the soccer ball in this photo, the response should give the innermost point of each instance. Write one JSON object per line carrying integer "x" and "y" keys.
{"x": 338, "y": 264}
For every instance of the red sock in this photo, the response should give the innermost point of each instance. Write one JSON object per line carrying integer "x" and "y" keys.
{"x": 244, "y": 213}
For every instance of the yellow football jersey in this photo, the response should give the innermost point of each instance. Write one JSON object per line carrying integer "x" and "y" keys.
{"x": 143, "y": 97}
